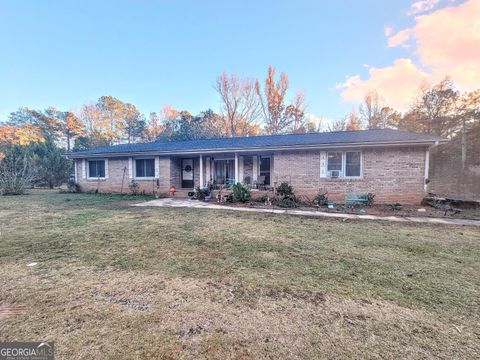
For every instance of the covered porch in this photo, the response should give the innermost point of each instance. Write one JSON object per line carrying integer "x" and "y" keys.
{"x": 222, "y": 170}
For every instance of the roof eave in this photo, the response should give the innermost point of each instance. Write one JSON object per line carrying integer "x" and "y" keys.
{"x": 258, "y": 148}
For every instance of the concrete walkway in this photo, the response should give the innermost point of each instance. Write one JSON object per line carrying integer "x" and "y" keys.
{"x": 187, "y": 203}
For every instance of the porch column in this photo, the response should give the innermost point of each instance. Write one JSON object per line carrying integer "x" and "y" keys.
{"x": 241, "y": 169}
{"x": 201, "y": 171}
{"x": 236, "y": 168}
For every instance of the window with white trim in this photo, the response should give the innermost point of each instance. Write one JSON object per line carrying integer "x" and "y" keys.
{"x": 346, "y": 164}
{"x": 145, "y": 168}
{"x": 96, "y": 169}
{"x": 353, "y": 160}
{"x": 334, "y": 161}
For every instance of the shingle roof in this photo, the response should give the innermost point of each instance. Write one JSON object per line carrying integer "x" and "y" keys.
{"x": 244, "y": 143}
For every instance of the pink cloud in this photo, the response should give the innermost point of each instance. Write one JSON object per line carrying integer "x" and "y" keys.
{"x": 388, "y": 30}
{"x": 447, "y": 43}
{"x": 397, "y": 84}
{"x": 400, "y": 38}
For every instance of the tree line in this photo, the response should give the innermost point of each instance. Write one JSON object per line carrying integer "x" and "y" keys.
{"x": 248, "y": 107}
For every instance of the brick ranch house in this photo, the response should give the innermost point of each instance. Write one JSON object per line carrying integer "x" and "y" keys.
{"x": 389, "y": 163}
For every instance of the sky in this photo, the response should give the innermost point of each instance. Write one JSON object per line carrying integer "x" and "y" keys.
{"x": 152, "y": 52}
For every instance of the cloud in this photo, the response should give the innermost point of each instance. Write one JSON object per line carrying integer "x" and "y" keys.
{"x": 388, "y": 30}
{"x": 319, "y": 121}
{"x": 422, "y": 6}
{"x": 446, "y": 43}
{"x": 400, "y": 38}
{"x": 397, "y": 84}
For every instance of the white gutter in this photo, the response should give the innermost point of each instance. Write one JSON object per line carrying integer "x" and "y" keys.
{"x": 256, "y": 149}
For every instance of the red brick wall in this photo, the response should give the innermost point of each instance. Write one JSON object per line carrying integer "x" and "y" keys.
{"x": 118, "y": 172}
{"x": 392, "y": 174}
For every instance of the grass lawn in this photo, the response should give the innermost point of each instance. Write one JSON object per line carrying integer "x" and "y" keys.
{"x": 114, "y": 281}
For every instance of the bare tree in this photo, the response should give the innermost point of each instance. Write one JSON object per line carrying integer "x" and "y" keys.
{"x": 240, "y": 104}
{"x": 436, "y": 107}
{"x": 16, "y": 171}
{"x": 339, "y": 125}
{"x": 468, "y": 114}
{"x": 370, "y": 109}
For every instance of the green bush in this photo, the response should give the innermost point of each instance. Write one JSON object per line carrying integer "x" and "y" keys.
{"x": 285, "y": 196}
{"x": 241, "y": 192}
{"x": 201, "y": 194}
{"x": 285, "y": 190}
{"x": 286, "y": 203}
{"x": 321, "y": 198}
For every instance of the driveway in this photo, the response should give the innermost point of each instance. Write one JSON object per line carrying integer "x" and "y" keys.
{"x": 187, "y": 203}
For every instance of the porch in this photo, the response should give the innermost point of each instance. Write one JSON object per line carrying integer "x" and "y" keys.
{"x": 222, "y": 170}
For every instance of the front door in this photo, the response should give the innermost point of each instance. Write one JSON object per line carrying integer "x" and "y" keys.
{"x": 187, "y": 173}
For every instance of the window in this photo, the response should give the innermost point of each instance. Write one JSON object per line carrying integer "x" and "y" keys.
{"x": 334, "y": 161}
{"x": 352, "y": 163}
{"x": 144, "y": 168}
{"x": 348, "y": 164}
{"x": 96, "y": 168}
{"x": 265, "y": 164}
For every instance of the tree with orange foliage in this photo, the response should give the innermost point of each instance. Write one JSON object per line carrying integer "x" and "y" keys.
{"x": 20, "y": 135}
{"x": 353, "y": 121}
{"x": 154, "y": 127}
{"x": 278, "y": 116}
{"x": 72, "y": 127}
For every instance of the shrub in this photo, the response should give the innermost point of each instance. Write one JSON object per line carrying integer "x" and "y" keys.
{"x": 201, "y": 194}
{"x": 17, "y": 171}
{"x": 285, "y": 196}
{"x": 396, "y": 206}
{"x": 321, "y": 198}
{"x": 371, "y": 199}
{"x": 134, "y": 188}
{"x": 287, "y": 203}
{"x": 72, "y": 186}
{"x": 285, "y": 190}
{"x": 241, "y": 192}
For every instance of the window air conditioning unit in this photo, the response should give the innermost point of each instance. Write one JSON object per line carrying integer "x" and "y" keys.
{"x": 334, "y": 174}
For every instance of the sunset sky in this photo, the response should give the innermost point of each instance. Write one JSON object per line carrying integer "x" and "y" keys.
{"x": 153, "y": 52}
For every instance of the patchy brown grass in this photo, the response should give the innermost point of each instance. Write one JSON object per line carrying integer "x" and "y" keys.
{"x": 114, "y": 281}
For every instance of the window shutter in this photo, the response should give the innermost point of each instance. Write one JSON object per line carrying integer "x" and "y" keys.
{"x": 130, "y": 168}
{"x": 323, "y": 164}
{"x": 84, "y": 169}
{"x": 157, "y": 167}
